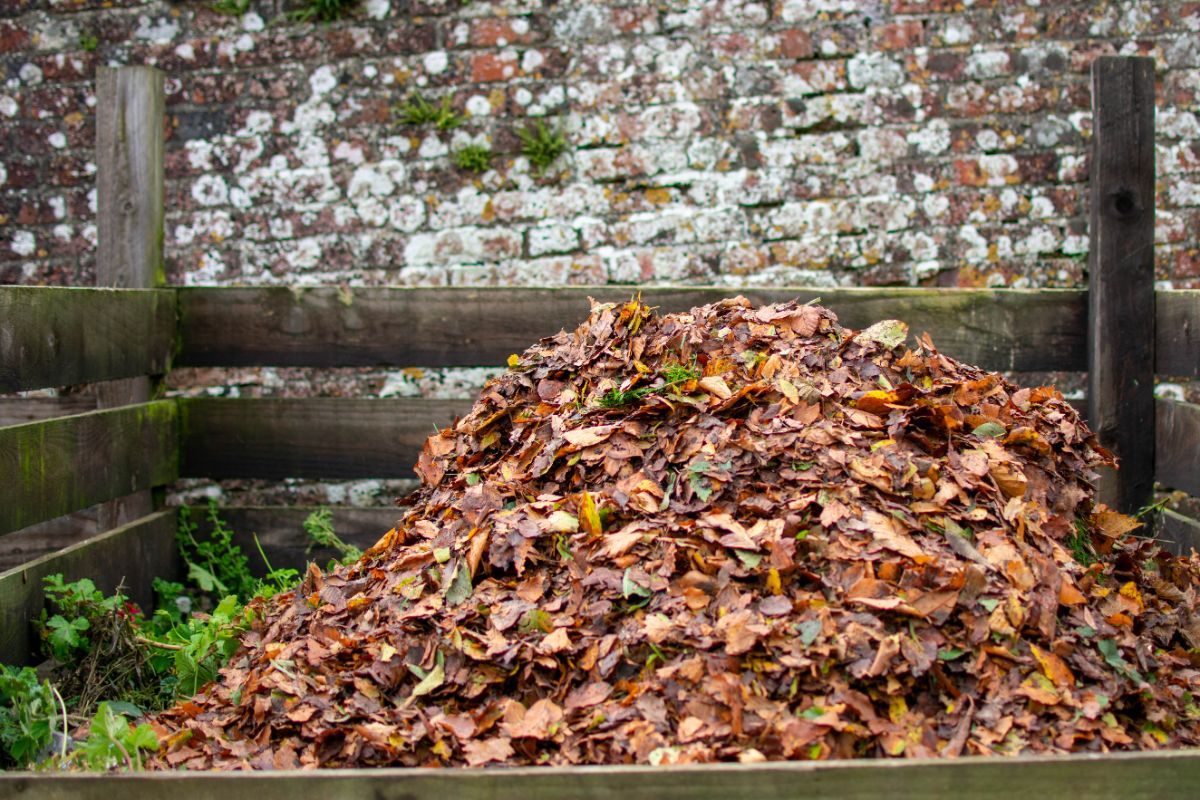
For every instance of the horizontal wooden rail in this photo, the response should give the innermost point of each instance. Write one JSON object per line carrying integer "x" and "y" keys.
{"x": 1177, "y": 445}
{"x": 19, "y": 410}
{"x": 324, "y": 327}
{"x": 134, "y": 554}
{"x": 309, "y": 437}
{"x": 1177, "y": 333}
{"x": 62, "y": 465}
{"x": 51, "y": 336}
{"x": 280, "y": 531}
{"x": 1108, "y": 776}
{"x": 1177, "y": 532}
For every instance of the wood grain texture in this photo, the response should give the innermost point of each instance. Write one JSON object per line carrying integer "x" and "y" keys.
{"x": 279, "y": 326}
{"x": 1121, "y": 316}
{"x": 35, "y": 541}
{"x": 280, "y": 531}
{"x": 1177, "y": 333}
{"x": 58, "y": 466}
{"x": 1178, "y": 533}
{"x": 1112, "y": 776}
{"x": 129, "y": 177}
{"x": 309, "y": 437}
{"x": 52, "y": 336}
{"x": 1177, "y": 451}
{"x": 133, "y": 554}
{"x": 129, "y": 219}
{"x": 19, "y": 410}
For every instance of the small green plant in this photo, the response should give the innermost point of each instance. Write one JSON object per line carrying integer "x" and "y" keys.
{"x": 232, "y": 8}
{"x": 541, "y": 145}
{"x": 113, "y": 742}
{"x": 190, "y": 653}
{"x": 474, "y": 157}
{"x": 673, "y": 375}
{"x": 319, "y": 527}
{"x": 1080, "y": 543}
{"x": 88, "y": 41}
{"x": 419, "y": 111}
{"x": 215, "y": 564}
{"x": 28, "y": 712}
{"x": 324, "y": 10}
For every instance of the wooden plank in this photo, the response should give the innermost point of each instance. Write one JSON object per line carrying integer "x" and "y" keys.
{"x": 129, "y": 177}
{"x": 35, "y": 541}
{"x": 53, "y": 336}
{"x": 308, "y": 437}
{"x": 322, "y": 327}
{"x": 1177, "y": 333}
{"x": 133, "y": 554}
{"x": 1177, "y": 532}
{"x": 62, "y": 465}
{"x": 1177, "y": 449}
{"x": 280, "y": 531}
{"x": 19, "y": 410}
{"x": 1109, "y": 776}
{"x": 1121, "y": 276}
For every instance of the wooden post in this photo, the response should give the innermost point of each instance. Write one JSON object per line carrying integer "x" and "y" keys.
{"x": 129, "y": 177}
{"x": 129, "y": 205}
{"x": 1121, "y": 276}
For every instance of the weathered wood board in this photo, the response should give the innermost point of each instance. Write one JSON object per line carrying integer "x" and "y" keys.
{"x": 62, "y": 465}
{"x": 1121, "y": 303}
{"x": 56, "y": 337}
{"x": 1179, "y": 533}
{"x": 1177, "y": 451}
{"x": 1111, "y": 776}
{"x": 308, "y": 438}
{"x": 134, "y": 554}
{"x": 1177, "y": 333}
{"x": 280, "y": 326}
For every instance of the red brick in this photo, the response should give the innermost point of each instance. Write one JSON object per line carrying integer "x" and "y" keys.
{"x": 13, "y": 37}
{"x": 490, "y": 67}
{"x": 902, "y": 35}
{"x": 500, "y": 32}
{"x": 795, "y": 43}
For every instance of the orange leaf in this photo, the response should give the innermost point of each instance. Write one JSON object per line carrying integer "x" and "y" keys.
{"x": 1055, "y": 668}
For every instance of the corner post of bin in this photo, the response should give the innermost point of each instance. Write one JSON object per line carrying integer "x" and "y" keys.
{"x": 129, "y": 218}
{"x": 1121, "y": 276}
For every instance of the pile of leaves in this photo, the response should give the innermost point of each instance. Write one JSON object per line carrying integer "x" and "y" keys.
{"x": 736, "y": 533}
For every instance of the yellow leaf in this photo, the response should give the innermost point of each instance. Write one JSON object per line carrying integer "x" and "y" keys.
{"x": 774, "y": 585}
{"x": 513, "y": 360}
{"x": 789, "y": 390}
{"x": 589, "y": 515}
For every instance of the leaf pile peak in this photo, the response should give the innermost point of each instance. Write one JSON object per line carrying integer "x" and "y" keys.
{"x": 735, "y": 533}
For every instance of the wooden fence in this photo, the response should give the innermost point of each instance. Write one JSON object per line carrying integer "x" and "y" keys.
{"x": 122, "y": 454}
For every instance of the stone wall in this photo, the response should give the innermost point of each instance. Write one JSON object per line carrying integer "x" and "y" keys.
{"x": 933, "y": 142}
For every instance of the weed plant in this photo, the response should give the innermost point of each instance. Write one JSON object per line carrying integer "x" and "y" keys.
{"x": 419, "y": 111}
{"x": 474, "y": 158}
{"x": 541, "y": 145}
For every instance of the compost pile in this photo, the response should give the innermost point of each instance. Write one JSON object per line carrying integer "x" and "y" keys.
{"x": 736, "y": 533}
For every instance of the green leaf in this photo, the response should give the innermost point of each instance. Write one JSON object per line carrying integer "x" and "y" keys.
{"x": 441, "y": 554}
{"x": 950, "y": 654}
{"x": 432, "y": 680}
{"x": 749, "y": 558}
{"x": 992, "y": 429}
{"x": 809, "y": 630}
{"x": 989, "y": 603}
{"x": 207, "y": 581}
{"x": 460, "y": 585}
{"x": 630, "y": 588}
